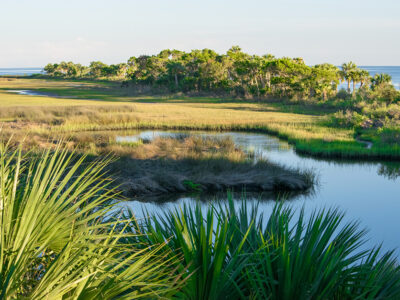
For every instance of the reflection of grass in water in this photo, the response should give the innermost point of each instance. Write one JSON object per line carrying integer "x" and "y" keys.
{"x": 220, "y": 196}
{"x": 389, "y": 170}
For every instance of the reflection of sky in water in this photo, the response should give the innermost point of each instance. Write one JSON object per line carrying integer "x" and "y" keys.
{"x": 27, "y": 92}
{"x": 368, "y": 192}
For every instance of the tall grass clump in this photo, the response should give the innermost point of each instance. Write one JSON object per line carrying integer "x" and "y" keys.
{"x": 237, "y": 254}
{"x": 58, "y": 239}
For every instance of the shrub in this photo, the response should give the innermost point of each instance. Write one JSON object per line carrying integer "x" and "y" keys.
{"x": 343, "y": 94}
{"x": 347, "y": 119}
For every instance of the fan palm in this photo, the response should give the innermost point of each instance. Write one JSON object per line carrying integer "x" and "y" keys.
{"x": 56, "y": 241}
{"x": 346, "y": 73}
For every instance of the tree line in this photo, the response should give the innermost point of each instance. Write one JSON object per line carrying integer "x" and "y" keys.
{"x": 234, "y": 73}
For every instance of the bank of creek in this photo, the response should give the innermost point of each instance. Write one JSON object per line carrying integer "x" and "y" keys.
{"x": 368, "y": 192}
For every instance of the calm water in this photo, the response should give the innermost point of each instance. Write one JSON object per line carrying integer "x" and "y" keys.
{"x": 366, "y": 191}
{"x": 20, "y": 71}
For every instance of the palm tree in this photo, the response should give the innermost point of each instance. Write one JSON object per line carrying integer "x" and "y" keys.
{"x": 364, "y": 77}
{"x": 325, "y": 79}
{"x": 58, "y": 235}
{"x": 346, "y": 73}
{"x": 380, "y": 79}
{"x": 355, "y": 77}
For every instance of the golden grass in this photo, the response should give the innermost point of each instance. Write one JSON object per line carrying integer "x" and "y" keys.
{"x": 8, "y": 99}
{"x": 55, "y": 115}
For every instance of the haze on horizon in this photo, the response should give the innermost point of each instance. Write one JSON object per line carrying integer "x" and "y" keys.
{"x": 34, "y": 33}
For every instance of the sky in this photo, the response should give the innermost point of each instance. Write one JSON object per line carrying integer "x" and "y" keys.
{"x": 34, "y": 33}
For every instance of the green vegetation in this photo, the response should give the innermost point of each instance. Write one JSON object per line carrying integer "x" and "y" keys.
{"x": 61, "y": 238}
{"x": 371, "y": 102}
{"x": 309, "y": 125}
{"x": 233, "y": 74}
{"x": 181, "y": 164}
{"x": 205, "y": 90}
{"x": 232, "y": 254}
{"x": 57, "y": 237}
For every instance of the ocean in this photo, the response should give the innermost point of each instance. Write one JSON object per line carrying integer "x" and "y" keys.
{"x": 20, "y": 71}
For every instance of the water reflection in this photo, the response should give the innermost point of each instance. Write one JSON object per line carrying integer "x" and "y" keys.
{"x": 390, "y": 170}
{"x": 264, "y": 196}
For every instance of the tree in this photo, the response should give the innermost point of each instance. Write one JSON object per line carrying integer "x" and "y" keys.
{"x": 50, "y": 69}
{"x": 365, "y": 77}
{"x": 326, "y": 79}
{"x": 355, "y": 77}
{"x": 175, "y": 69}
{"x": 381, "y": 79}
{"x": 347, "y": 72}
{"x": 97, "y": 69}
{"x": 383, "y": 88}
{"x": 234, "y": 72}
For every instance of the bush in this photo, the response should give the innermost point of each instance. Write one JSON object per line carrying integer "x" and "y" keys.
{"x": 347, "y": 119}
{"x": 343, "y": 95}
{"x": 386, "y": 93}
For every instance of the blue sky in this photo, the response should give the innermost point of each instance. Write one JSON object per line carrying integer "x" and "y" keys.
{"x": 33, "y": 33}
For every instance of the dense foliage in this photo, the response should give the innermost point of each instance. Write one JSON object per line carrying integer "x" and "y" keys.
{"x": 234, "y": 73}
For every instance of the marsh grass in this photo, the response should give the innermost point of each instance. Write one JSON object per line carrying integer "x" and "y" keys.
{"x": 167, "y": 165}
{"x": 163, "y": 165}
{"x": 307, "y": 131}
{"x": 59, "y": 115}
